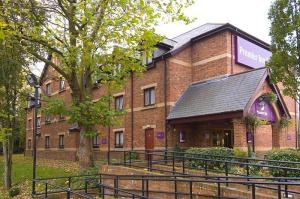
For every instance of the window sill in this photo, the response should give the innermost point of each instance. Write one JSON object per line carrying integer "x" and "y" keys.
{"x": 62, "y": 90}
{"x": 96, "y": 146}
{"x": 119, "y": 148}
{"x": 61, "y": 119}
{"x": 149, "y": 107}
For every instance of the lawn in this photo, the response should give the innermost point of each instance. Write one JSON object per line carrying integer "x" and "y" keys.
{"x": 22, "y": 171}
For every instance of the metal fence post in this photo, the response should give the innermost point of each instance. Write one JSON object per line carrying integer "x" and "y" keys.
{"x": 103, "y": 192}
{"x": 191, "y": 189}
{"x": 130, "y": 158}
{"x": 279, "y": 191}
{"x": 226, "y": 172}
{"x": 183, "y": 163}
{"x": 143, "y": 186}
{"x": 219, "y": 188}
{"x": 173, "y": 163}
{"x": 205, "y": 167}
{"x": 124, "y": 157}
{"x": 69, "y": 182}
{"x": 85, "y": 186}
{"x": 286, "y": 194}
{"x": 108, "y": 157}
{"x": 46, "y": 190}
{"x": 68, "y": 194}
{"x": 253, "y": 191}
{"x": 175, "y": 187}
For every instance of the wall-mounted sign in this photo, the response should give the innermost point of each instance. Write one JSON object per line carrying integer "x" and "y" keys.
{"x": 160, "y": 135}
{"x": 262, "y": 109}
{"x": 250, "y": 54}
{"x": 104, "y": 141}
{"x": 289, "y": 137}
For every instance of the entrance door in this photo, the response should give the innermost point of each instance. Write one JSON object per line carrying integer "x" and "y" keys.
{"x": 149, "y": 139}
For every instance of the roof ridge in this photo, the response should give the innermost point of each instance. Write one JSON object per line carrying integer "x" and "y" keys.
{"x": 222, "y": 77}
{"x": 198, "y": 27}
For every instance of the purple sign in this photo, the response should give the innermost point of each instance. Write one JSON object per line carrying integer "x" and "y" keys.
{"x": 160, "y": 135}
{"x": 249, "y": 137}
{"x": 289, "y": 137}
{"x": 262, "y": 109}
{"x": 104, "y": 141}
{"x": 250, "y": 54}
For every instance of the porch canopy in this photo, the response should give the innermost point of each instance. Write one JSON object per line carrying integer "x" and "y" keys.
{"x": 225, "y": 97}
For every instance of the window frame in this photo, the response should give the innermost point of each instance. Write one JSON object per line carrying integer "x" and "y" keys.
{"x": 96, "y": 142}
{"x": 61, "y": 146}
{"x": 148, "y": 93}
{"x": 39, "y": 122}
{"x": 62, "y": 88}
{"x": 47, "y": 118}
{"x": 117, "y": 98}
{"x": 48, "y": 89}
{"x": 29, "y": 143}
{"x": 117, "y": 137}
{"x": 47, "y": 141}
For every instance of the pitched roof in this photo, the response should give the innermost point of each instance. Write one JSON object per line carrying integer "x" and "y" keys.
{"x": 220, "y": 95}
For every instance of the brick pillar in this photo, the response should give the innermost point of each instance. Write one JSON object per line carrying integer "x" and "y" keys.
{"x": 239, "y": 134}
{"x": 275, "y": 136}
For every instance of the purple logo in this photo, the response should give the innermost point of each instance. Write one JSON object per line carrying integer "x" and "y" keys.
{"x": 262, "y": 109}
{"x": 104, "y": 141}
{"x": 160, "y": 135}
{"x": 289, "y": 137}
{"x": 250, "y": 54}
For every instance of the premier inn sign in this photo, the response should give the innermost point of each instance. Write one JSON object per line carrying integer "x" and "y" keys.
{"x": 250, "y": 54}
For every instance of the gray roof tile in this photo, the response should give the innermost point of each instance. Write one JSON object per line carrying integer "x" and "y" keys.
{"x": 224, "y": 94}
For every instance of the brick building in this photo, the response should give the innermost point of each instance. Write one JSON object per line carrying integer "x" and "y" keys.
{"x": 197, "y": 90}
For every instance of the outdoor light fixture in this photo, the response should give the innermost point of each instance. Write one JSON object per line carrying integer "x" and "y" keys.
{"x": 33, "y": 82}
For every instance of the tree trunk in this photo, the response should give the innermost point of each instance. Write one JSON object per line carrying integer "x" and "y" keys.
{"x": 85, "y": 152}
{"x": 7, "y": 153}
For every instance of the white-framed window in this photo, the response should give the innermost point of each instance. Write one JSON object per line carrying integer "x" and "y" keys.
{"x": 48, "y": 89}
{"x": 47, "y": 118}
{"x": 119, "y": 102}
{"x": 149, "y": 96}
{"x": 62, "y": 85}
{"x": 38, "y": 122}
{"x": 96, "y": 141}
{"x": 61, "y": 141}
{"x": 119, "y": 139}
{"x": 47, "y": 141}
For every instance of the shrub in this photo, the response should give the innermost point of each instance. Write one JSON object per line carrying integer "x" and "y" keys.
{"x": 240, "y": 153}
{"x": 14, "y": 191}
{"x": 177, "y": 150}
{"x": 291, "y": 155}
{"x": 214, "y": 153}
{"x": 131, "y": 156}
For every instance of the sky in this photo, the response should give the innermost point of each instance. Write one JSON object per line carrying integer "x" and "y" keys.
{"x": 250, "y": 16}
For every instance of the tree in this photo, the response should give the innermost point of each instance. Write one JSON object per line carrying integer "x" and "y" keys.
{"x": 91, "y": 39}
{"x": 12, "y": 62}
{"x": 285, "y": 45}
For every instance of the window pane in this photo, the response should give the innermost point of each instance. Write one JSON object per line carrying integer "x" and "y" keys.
{"x": 147, "y": 97}
{"x": 152, "y": 93}
{"x": 121, "y": 139}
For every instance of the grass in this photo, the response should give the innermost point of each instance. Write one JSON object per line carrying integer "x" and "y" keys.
{"x": 22, "y": 172}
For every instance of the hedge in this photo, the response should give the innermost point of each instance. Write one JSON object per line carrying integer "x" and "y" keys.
{"x": 222, "y": 154}
{"x": 291, "y": 155}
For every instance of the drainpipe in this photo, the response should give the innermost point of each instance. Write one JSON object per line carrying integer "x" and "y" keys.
{"x": 165, "y": 101}
{"x": 132, "y": 126}
{"x": 232, "y": 46}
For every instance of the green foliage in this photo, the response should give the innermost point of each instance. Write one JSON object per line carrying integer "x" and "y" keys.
{"x": 14, "y": 191}
{"x": 285, "y": 35}
{"x": 254, "y": 121}
{"x": 240, "y": 153}
{"x": 291, "y": 155}
{"x": 221, "y": 152}
{"x": 177, "y": 150}
{"x": 133, "y": 155}
{"x": 285, "y": 122}
{"x": 270, "y": 97}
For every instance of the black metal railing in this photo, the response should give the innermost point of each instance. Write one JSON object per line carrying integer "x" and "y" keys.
{"x": 180, "y": 162}
{"x": 117, "y": 186}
